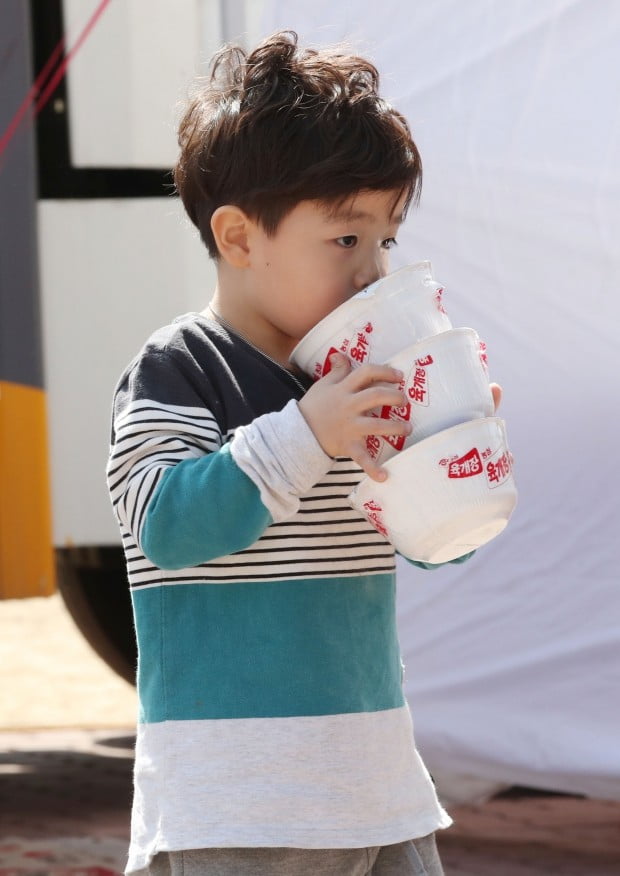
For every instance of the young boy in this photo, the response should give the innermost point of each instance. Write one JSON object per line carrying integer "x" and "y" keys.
{"x": 274, "y": 737}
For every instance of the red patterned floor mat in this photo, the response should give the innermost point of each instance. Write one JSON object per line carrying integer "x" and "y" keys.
{"x": 66, "y": 856}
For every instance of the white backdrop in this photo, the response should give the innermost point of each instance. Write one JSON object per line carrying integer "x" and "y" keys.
{"x": 513, "y": 660}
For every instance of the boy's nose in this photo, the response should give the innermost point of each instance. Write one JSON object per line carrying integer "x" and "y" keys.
{"x": 367, "y": 274}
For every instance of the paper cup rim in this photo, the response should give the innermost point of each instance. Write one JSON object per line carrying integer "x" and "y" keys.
{"x": 367, "y": 296}
{"x": 432, "y": 340}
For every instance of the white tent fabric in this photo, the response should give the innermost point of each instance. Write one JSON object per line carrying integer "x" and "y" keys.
{"x": 513, "y": 659}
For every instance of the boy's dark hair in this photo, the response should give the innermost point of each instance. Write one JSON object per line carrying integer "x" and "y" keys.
{"x": 283, "y": 124}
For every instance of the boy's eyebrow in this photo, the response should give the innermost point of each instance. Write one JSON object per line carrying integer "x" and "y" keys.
{"x": 354, "y": 215}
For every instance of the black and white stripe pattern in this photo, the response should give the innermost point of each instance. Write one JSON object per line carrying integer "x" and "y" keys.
{"x": 151, "y": 437}
{"x": 327, "y": 538}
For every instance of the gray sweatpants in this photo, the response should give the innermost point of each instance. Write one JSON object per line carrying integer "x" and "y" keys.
{"x": 412, "y": 858}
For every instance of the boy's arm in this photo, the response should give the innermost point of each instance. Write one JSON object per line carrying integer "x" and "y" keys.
{"x": 222, "y": 503}
{"x": 186, "y": 495}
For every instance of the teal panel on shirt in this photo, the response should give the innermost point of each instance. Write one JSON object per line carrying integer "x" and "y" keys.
{"x": 274, "y": 649}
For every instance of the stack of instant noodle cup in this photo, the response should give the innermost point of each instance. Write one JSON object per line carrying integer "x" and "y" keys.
{"x": 450, "y": 485}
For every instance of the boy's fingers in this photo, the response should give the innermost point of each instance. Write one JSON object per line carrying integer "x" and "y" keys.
{"x": 384, "y": 426}
{"x": 368, "y": 464}
{"x": 366, "y": 375}
{"x": 378, "y": 396}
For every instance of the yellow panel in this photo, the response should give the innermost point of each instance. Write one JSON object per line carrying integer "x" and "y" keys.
{"x": 26, "y": 551}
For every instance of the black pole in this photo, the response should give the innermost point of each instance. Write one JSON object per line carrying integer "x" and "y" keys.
{"x": 20, "y": 323}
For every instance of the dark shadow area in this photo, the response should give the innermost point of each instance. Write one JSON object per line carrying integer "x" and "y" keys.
{"x": 67, "y": 792}
{"x": 517, "y": 792}
{"x": 484, "y": 856}
{"x": 68, "y": 777}
{"x": 125, "y": 742}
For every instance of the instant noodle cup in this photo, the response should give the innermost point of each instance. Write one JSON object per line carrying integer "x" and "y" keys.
{"x": 373, "y": 325}
{"x": 445, "y": 496}
{"x": 445, "y": 382}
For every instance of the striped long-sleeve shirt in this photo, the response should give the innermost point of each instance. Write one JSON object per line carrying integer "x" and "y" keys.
{"x": 269, "y": 673}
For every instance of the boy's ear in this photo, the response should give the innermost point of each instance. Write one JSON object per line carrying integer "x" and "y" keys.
{"x": 230, "y": 227}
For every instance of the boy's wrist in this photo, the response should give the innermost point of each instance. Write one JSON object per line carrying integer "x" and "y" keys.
{"x": 309, "y": 421}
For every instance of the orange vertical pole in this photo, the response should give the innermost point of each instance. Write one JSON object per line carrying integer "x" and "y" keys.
{"x": 26, "y": 552}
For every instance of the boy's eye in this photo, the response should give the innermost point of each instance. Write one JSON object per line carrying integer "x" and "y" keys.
{"x": 389, "y": 243}
{"x": 348, "y": 241}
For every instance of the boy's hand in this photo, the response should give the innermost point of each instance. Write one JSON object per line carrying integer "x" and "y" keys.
{"x": 496, "y": 392}
{"x": 336, "y": 409}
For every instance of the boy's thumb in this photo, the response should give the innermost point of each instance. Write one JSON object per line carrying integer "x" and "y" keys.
{"x": 339, "y": 366}
{"x": 338, "y": 362}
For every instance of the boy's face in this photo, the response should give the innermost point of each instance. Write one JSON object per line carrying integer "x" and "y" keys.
{"x": 317, "y": 258}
